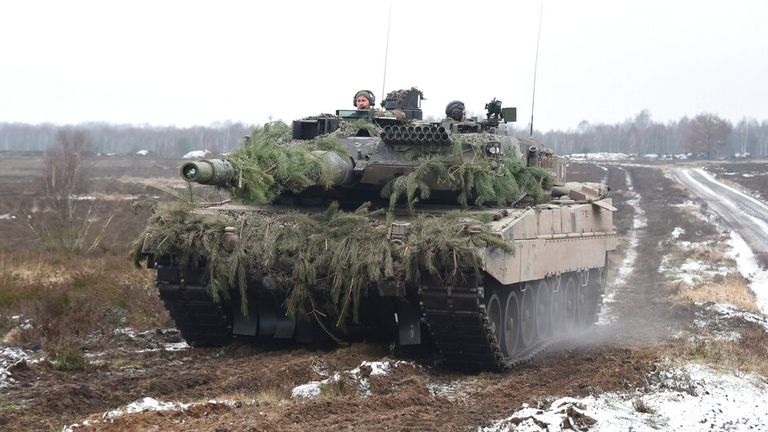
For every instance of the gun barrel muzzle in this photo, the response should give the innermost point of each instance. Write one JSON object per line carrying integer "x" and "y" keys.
{"x": 217, "y": 172}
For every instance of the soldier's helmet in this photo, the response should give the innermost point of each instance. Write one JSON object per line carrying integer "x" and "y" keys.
{"x": 455, "y": 110}
{"x": 368, "y": 95}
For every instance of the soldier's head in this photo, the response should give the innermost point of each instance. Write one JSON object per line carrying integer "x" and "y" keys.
{"x": 364, "y": 100}
{"x": 455, "y": 110}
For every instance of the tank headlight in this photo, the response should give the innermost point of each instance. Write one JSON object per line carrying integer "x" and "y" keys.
{"x": 231, "y": 239}
{"x": 493, "y": 149}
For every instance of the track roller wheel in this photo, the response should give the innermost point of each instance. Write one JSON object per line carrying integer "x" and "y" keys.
{"x": 528, "y": 315}
{"x": 543, "y": 310}
{"x": 511, "y": 345}
{"x": 571, "y": 301}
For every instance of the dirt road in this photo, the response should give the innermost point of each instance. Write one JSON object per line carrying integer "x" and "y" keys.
{"x": 743, "y": 213}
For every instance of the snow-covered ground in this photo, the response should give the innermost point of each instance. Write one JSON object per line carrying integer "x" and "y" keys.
{"x": 355, "y": 377}
{"x": 10, "y": 357}
{"x": 149, "y": 338}
{"x": 751, "y": 269}
{"x": 147, "y": 404}
{"x": 689, "y": 397}
{"x": 598, "y": 156}
{"x": 196, "y": 154}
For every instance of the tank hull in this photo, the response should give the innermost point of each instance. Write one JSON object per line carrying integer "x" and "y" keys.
{"x": 549, "y": 285}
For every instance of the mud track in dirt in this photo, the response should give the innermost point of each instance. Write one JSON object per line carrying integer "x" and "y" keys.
{"x": 413, "y": 396}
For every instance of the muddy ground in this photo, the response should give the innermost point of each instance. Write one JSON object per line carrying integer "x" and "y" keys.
{"x": 248, "y": 388}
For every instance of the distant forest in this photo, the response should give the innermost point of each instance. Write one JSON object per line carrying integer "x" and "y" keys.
{"x": 706, "y": 135}
{"x": 108, "y": 139}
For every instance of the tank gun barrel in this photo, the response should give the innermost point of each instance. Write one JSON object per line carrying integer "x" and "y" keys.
{"x": 218, "y": 172}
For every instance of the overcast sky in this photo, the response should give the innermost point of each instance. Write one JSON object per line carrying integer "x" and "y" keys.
{"x": 186, "y": 62}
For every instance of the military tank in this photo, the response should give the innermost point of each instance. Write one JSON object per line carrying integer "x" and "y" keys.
{"x": 376, "y": 224}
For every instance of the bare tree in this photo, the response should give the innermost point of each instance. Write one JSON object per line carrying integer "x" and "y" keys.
{"x": 64, "y": 174}
{"x": 707, "y": 133}
{"x": 64, "y": 169}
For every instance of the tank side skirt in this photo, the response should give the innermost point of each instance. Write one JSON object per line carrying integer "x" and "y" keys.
{"x": 537, "y": 258}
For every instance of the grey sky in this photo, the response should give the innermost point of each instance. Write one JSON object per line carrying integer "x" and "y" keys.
{"x": 185, "y": 63}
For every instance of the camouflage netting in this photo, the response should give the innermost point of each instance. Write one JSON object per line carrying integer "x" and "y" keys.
{"x": 479, "y": 178}
{"x": 321, "y": 263}
{"x": 270, "y": 163}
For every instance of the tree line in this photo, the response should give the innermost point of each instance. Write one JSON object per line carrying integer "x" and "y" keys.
{"x": 705, "y": 135}
{"x": 107, "y": 139}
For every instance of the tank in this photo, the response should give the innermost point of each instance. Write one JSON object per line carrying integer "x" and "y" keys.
{"x": 378, "y": 225}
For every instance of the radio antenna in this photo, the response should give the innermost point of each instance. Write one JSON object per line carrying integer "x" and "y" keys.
{"x": 535, "y": 64}
{"x": 386, "y": 53}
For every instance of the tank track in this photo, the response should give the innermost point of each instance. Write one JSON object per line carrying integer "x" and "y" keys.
{"x": 201, "y": 321}
{"x": 459, "y": 326}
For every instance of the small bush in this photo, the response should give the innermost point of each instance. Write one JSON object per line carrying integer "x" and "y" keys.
{"x": 70, "y": 360}
{"x": 640, "y": 406}
{"x": 337, "y": 388}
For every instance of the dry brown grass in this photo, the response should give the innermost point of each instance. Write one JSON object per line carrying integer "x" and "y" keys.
{"x": 74, "y": 302}
{"x": 749, "y": 353}
{"x": 733, "y": 290}
{"x": 270, "y": 396}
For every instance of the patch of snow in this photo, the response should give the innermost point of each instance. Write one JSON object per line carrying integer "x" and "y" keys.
{"x": 21, "y": 322}
{"x": 378, "y": 368}
{"x": 142, "y": 152}
{"x": 196, "y": 154}
{"x": 150, "y": 337}
{"x": 677, "y": 232}
{"x": 149, "y": 404}
{"x": 7, "y": 216}
{"x": 169, "y": 347}
{"x": 9, "y": 357}
{"x": 730, "y": 311}
{"x": 598, "y": 156}
{"x": 125, "y": 331}
{"x": 690, "y": 271}
{"x": 750, "y": 268}
{"x": 307, "y": 391}
{"x": 692, "y": 266}
{"x": 454, "y": 391}
{"x": 693, "y": 397}
{"x": 747, "y": 175}
{"x": 146, "y": 404}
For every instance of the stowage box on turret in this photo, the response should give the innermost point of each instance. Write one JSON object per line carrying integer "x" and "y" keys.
{"x": 377, "y": 224}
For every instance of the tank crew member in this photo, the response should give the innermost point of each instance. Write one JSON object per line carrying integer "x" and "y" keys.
{"x": 455, "y": 111}
{"x": 364, "y": 100}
